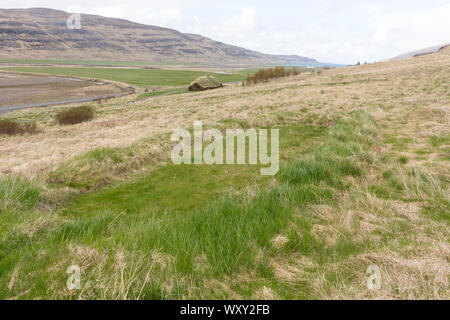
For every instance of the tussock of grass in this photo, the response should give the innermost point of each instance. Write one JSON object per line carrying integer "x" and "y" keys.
{"x": 17, "y": 193}
{"x": 10, "y": 127}
{"x": 86, "y": 229}
{"x": 232, "y": 122}
{"x": 315, "y": 171}
{"x": 438, "y": 208}
{"x": 75, "y": 115}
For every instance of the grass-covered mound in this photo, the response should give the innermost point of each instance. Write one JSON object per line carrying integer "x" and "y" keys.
{"x": 205, "y": 83}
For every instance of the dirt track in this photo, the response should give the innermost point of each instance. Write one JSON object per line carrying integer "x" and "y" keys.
{"x": 22, "y": 90}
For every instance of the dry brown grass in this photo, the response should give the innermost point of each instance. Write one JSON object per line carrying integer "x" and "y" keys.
{"x": 377, "y": 86}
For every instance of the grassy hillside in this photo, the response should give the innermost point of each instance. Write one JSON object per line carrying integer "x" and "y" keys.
{"x": 137, "y": 77}
{"x": 365, "y": 154}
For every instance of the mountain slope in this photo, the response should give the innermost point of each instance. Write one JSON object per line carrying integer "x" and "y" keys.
{"x": 421, "y": 52}
{"x": 43, "y": 34}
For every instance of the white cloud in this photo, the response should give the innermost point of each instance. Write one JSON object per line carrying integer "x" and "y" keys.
{"x": 404, "y": 29}
{"x": 163, "y": 17}
{"x": 244, "y": 22}
{"x": 158, "y": 14}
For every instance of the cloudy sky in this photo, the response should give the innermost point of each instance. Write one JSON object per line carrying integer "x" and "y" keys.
{"x": 342, "y": 31}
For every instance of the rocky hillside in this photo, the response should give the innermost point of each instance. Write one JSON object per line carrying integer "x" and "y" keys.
{"x": 43, "y": 34}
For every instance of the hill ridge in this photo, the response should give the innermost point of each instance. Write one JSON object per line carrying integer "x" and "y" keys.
{"x": 42, "y": 33}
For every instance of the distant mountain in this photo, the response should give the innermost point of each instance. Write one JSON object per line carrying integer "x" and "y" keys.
{"x": 40, "y": 33}
{"x": 421, "y": 52}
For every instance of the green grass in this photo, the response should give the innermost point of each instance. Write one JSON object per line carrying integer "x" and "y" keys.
{"x": 184, "y": 226}
{"x": 159, "y": 189}
{"x": 100, "y": 166}
{"x": 437, "y": 141}
{"x": 232, "y": 122}
{"x": 137, "y": 77}
{"x": 182, "y": 213}
{"x": 18, "y": 193}
{"x": 317, "y": 170}
{"x": 226, "y": 232}
{"x": 151, "y": 94}
{"x": 179, "y": 188}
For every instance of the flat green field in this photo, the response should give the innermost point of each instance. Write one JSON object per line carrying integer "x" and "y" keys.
{"x": 136, "y": 77}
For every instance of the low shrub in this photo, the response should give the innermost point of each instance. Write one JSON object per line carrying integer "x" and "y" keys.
{"x": 264, "y": 75}
{"x": 75, "y": 115}
{"x": 9, "y": 127}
